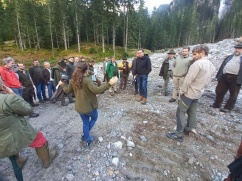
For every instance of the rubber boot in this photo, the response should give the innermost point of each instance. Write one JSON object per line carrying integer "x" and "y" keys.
{"x": 17, "y": 170}
{"x": 46, "y": 155}
{"x": 21, "y": 161}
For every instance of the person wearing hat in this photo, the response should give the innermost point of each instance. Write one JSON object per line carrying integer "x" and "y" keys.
{"x": 181, "y": 66}
{"x": 167, "y": 68}
{"x": 124, "y": 68}
{"x": 229, "y": 78}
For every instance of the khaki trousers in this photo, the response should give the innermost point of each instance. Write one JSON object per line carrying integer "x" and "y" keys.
{"x": 177, "y": 82}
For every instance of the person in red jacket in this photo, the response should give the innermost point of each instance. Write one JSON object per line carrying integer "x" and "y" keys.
{"x": 9, "y": 77}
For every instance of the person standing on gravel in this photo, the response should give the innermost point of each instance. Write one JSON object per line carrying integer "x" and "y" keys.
{"x": 181, "y": 66}
{"x": 124, "y": 73}
{"x": 104, "y": 69}
{"x": 142, "y": 70}
{"x": 229, "y": 78}
{"x": 167, "y": 69}
{"x": 112, "y": 71}
{"x": 133, "y": 69}
{"x": 86, "y": 100}
{"x": 16, "y": 133}
{"x": 198, "y": 77}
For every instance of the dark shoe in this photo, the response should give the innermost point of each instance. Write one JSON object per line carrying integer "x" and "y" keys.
{"x": 166, "y": 94}
{"x": 172, "y": 100}
{"x": 82, "y": 138}
{"x": 174, "y": 136}
{"x": 64, "y": 104}
{"x": 71, "y": 101}
{"x": 46, "y": 99}
{"x": 42, "y": 101}
{"x": 33, "y": 104}
{"x": 224, "y": 110}
{"x": 88, "y": 144}
{"x": 112, "y": 94}
{"x": 34, "y": 115}
{"x": 214, "y": 106}
{"x": 116, "y": 92}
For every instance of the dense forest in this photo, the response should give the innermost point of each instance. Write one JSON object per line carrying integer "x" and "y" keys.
{"x": 55, "y": 24}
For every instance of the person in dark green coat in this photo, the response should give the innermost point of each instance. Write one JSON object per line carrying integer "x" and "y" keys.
{"x": 112, "y": 71}
{"x": 16, "y": 133}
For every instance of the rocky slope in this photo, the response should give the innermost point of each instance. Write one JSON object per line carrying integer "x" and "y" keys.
{"x": 130, "y": 139}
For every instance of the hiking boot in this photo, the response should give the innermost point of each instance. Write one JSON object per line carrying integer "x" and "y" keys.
{"x": 34, "y": 115}
{"x": 174, "y": 136}
{"x": 144, "y": 101}
{"x": 116, "y": 92}
{"x": 88, "y": 144}
{"x": 214, "y": 106}
{"x": 166, "y": 94}
{"x": 111, "y": 94}
{"x": 224, "y": 110}
{"x": 172, "y": 100}
{"x": 140, "y": 98}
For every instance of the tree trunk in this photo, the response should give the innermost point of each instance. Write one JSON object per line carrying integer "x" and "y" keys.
{"x": 29, "y": 41}
{"x": 103, "y": 38}
{"x": 19, "y": 33}
{"x": 51, "y": 34}
{"x": 37, "y": 35}
{"x": 114, "y": 37}
{"x": 77, "y": 34}
{"x": 126, "y": 33}
{"x": 64, "y": 34}
{"x": 57, "y": 41}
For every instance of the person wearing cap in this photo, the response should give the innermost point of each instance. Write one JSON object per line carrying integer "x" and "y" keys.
{"x": 181, "y": 66}
{"x": 167, "y": 68}
{"x": 124, "y": 68}
{"x": 198, "y": 77}
{"x": 229, "y": 78}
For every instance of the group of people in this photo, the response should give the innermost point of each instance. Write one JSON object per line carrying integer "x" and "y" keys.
{"x": 190, "y": 77}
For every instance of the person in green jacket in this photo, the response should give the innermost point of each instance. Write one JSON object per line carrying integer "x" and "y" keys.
{"x": 86, "y": 101}
{"x": 16, "y": 133}
{"x": 112, "y": 71}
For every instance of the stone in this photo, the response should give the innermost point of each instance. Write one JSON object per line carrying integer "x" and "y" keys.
{"x": 143, "y": 138}
{"x": 118, "y": 145}
{"x": 130, "y": 144}
{"x": 115, "y": 161}
{"x": 70, "y": 177}
{"x": 100, "y": 139}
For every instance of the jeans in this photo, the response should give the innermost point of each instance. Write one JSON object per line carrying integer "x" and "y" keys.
{"x": 186, "y": 106}
{"x": 142, "y": 83}
{"x": 18, "y": 91}
{"x": 89, "y": 121}
{"x": 40, "y": 88}
{"x": 51, "y": 88}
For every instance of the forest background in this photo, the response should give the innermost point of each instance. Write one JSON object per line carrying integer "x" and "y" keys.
{"x": 52, "y": 29}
